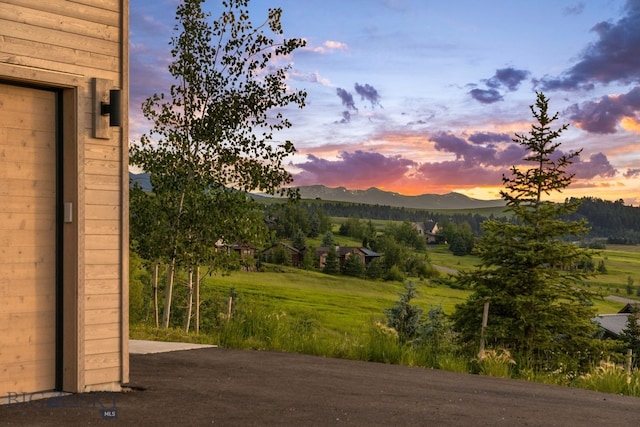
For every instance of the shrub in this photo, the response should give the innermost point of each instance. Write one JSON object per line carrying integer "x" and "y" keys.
{"x": 353, "y": 266}
{"x": 404, "y": 317}
{"x": 496, "y": 363}
{"x": 394, "y": 274}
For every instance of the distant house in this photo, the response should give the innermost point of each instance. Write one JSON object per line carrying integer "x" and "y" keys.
{"x": 430, "y": 230}
{"x": 244, "y": 250}
{"x": 295, "y": 255}
{"x": 365, "y": 255}
{"x": 613, "y": 324}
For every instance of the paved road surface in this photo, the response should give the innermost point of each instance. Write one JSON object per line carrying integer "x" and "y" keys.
{"x": 216, "y": 386}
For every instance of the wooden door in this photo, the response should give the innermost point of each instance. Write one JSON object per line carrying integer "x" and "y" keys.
{"x": 27, "y": 240}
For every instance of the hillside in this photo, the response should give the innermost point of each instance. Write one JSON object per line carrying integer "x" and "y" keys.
{"x": 372, "y": 196}
{"x": 375, "y": 196}
{"x": 142, "y": 179}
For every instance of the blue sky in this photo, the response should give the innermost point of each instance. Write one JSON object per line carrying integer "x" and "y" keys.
{"x": 421, "y": 96}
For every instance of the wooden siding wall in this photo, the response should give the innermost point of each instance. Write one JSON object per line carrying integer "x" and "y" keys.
{"x": 76, "y": 41}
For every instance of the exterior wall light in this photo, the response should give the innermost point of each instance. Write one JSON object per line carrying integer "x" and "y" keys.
{"x": 107, "y": 108}
{"x": 113, "y": 108}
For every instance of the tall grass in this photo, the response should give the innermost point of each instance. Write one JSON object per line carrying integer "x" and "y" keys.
{"x": 609, "y": 377}
{"x": 496, "y": 363}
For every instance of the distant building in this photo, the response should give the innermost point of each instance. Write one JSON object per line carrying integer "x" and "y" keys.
{"x": 366, "y": 255}
{"x": 430, "y": 230}
{"x": 294, "y": 256}
{"x": 613, "y": 324}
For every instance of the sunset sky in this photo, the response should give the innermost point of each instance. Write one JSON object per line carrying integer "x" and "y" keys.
{"x": 424, "y": 96}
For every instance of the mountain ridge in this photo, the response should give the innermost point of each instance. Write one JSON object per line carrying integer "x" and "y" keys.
{"x": 376, "y": 196}
{"x": 370, "y": 196}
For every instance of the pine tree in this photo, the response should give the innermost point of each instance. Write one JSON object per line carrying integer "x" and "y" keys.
{"x": 631, "y": 335}
{"x": 353, "y": 266}
{"x": 527, "y": 272}
{"x": 332, "y": 263}
{"x": 404, "y": 317}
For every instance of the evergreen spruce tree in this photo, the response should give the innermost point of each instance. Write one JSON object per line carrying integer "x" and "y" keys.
{"x": 528, "y": 268}
{"x": 299, "y": 240}
{"x": 332, "y": 263}
{"x": 328, "y": 239}
{"x": 353, "y": 266}
{"x": 404, "y": 317}
{"x": 631, "y": 336}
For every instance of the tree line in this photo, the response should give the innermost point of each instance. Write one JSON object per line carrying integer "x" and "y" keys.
{"x": 611, "y": 220}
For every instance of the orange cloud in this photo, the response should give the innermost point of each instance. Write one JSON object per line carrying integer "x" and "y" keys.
{"x": 630, "y": 124}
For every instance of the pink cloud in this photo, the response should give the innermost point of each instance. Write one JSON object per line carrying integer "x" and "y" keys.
{"x": 359, "y": 169}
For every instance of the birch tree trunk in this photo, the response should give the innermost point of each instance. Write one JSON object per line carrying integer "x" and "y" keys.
{"x": 187, "y": 318}
{"x": 166, "y": 315}
{"x": 197, "y": 325}
{"x": 172, "y": 270}
{"x": 155, "y": 296}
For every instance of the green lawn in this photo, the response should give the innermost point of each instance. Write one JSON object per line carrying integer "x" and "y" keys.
{"x": 340, "y": 304}
{"x": 621, "y": 262}
{"x": 344, "y": 304}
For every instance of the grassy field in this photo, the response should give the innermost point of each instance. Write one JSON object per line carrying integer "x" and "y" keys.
{"x": 338, "y": 304}
{"x": 345, "y": 305}
{"x": 621, "y": 262}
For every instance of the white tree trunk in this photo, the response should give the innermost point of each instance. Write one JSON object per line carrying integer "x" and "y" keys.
{"x": 187, "y": 319}
{"x": 197, "y": 325}
{"x": 166, "y": 315}
{"x": 155, "y": 296}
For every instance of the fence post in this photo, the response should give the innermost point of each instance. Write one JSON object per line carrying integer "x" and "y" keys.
{"x": 485, "y": 318}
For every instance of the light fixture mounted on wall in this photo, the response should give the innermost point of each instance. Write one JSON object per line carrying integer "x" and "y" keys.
{"x": 112, "y": 109}
{"x": 107, "y": 108}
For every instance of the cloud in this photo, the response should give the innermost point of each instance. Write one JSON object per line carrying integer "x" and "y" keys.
{"x": 369, "y": 93}
{"x": 355, "y": 170}
{"x": 630, "y": 124}
{"x": 597, "y": 165}
{"x": 614, "y": 57}
{"x": 346, "y": 117}
{"x": 335, "y": 45}
{"x": 473, "y": 164}
{"x": 507, "y": 77}
{"x": 632, "y": 173}
{"x": 484, "y": 137}
{"x": 327, "y": 47}
{"x": 452, "y": 174}
{"x": 346, "y": 98}
{"x": 603, "y": 115}
{"x": 576, "y": 9}
{"x": 486, "y": 96}
{"x": 313, "y": 77}
{"x": 478, "y": 155}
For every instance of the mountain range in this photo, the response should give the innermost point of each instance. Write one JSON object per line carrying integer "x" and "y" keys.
{"x": 375, "y": 196}
{"x": 372, "y": 196}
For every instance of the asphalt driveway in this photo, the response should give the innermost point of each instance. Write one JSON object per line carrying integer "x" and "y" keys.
{"x": 213, "y": 386}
